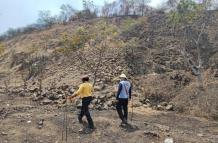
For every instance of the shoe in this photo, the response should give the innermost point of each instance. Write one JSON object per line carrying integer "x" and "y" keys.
{"x": 89, "y": 130}
{"x": 124, "y": 121}
{"x": 81, "y": 121}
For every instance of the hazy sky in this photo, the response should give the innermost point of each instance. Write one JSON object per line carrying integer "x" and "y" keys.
{"x": 19, "y": 13}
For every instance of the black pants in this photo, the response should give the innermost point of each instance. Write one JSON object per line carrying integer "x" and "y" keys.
{"x": 85, "y": 111}
{"x": 122, "y": 108}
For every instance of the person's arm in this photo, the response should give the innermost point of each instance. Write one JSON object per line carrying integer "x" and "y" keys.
{"x": 130, "y": 91}
{"x": 119, "y": 90}
{"x": 77, "y": 93}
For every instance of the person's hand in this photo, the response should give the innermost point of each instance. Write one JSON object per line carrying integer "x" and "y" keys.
{"x": 70, "y": 98}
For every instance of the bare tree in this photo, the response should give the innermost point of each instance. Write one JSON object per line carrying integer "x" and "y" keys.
{"x": 66, "y": 12}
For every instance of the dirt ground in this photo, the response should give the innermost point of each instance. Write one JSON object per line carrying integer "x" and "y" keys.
{"x": 19, "y": 119}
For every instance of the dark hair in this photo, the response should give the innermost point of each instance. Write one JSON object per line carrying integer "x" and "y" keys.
{"x": 85, "y": 78}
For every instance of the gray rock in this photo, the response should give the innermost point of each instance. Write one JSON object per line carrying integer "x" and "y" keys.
{"x": 109, "y": 103}
{"x": 109, "y": 95}
{"x": 53, "y": 97}
{"x": 159, "y": 107}
{"x": 22, "y": 94}
{"x": 4, "y": 134}
{"x": 151, "y": 134}
{"x": 36, "y": 97}
{"x": 95, "y": 101}
{"x": 162, "y": 127}
{"x": 46, "y": 102}
{"x": 97, "y": 88}
{"x": 78, "y": 103}
{"x": 164, "y": 104}
{"x": 91, "y": 106}
{"x": 169, "y": 107}
{"x": 106, "y": 107}
{"x": 71, "y": 90}
{"x": 102, "y": 97}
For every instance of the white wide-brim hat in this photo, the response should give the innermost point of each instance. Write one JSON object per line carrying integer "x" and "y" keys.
{"x": 123, "y": 76}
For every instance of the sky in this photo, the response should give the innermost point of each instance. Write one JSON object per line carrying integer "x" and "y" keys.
{"x": 19, "y": 13}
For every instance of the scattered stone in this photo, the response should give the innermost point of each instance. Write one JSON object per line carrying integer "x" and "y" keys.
{"x": 137, "y": 105}
{"x": 169, "y": 107}
{"x": 53, "y": 97}
{"x": 162, "y": 127}
{"x": 159, "y": 107}
{"x": 168, "y": 140}
{"x": 109, "y": 103}
{"x": 79, "y": 104}
{"x": 40, "y": 124}
{"x": 200, "y": 135}
{"x": 216, "y": 74}
{"x": 36, "y": 97}
{"x": 4, "y": 134}
{"x": 91, "y": 106}
{"x": 97, "y": 88}
{"x": 29, "y": 122}
{"x": 151, "y": 134}
{"x": 164, "y": 104}
{"x": 135, "y": 94}
{"x": 33, "y": 89}
{"x": 95, "y": 101}
{"x": 106, "y": 107}
{"x": 147, "y": 105}
{"x": 71, "y": 90}
{"x": 46, "y": 102}
{"x": 22, "y": 94}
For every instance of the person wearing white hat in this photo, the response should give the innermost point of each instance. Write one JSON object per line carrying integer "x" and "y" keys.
{"x": 123, "y": 95}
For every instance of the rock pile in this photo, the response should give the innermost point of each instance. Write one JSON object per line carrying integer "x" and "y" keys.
{"x": 162, "y": 106}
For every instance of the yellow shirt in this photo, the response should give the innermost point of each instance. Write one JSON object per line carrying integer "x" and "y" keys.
{"x": 85, "y": 90}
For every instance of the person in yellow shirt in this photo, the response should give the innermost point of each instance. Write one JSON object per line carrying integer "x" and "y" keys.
{"x": 85, "y": 93}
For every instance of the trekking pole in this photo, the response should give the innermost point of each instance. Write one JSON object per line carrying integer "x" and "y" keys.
{"x": 132, "y": 110}
{"x": 66, "y": 121}
{"x": 62, "y": 139}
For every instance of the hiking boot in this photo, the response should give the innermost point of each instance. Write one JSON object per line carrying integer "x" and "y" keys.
{"x": 124, "y": 121}
{"x": 80, "y": 121}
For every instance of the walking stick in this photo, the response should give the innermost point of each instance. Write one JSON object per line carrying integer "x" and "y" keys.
{"x": 65, "y": 120}
{"x": 132, "y": 110}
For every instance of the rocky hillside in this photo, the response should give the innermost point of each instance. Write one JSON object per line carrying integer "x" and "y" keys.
{"x": 47, "y": 65}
